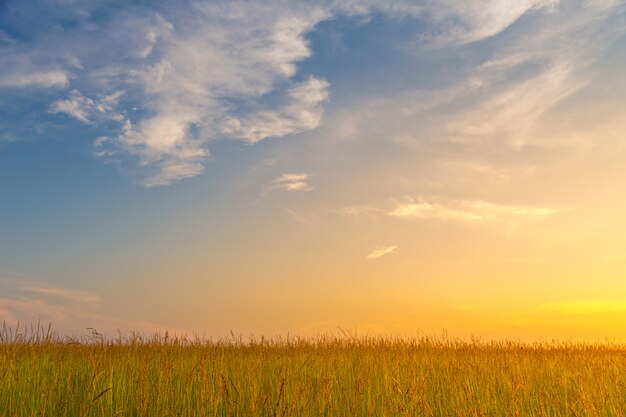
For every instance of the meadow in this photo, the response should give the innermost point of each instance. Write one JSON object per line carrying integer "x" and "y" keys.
{"x": 44, "y": 375}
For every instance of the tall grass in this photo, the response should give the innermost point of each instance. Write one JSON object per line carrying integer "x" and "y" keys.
{"x": 44, "y": 375}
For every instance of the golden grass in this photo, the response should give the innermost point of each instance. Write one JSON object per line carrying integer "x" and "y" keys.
{"x": 42, "y": 375}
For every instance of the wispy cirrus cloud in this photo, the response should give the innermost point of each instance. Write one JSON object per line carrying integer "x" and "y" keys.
{"x": 82, "y": 297}
{"x": 70, "y": 311}
{"x": 502, "y": 98}
{"x": 72, "y": 319}
{"x": 428, "y": 211}
{"x": 38, "y": 79}
{"x": 466, "y": 211}
{"x": 465, "y": 22}
{"x": 22, "y": 286}
{"x": 381, "y": 251}
{"x": 453, "y": 22}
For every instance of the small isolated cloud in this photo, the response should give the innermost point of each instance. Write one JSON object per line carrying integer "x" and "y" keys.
{"x": 292, "y": 182}
{"x": 466, "y": 211}
{"x": 381, "y": 251}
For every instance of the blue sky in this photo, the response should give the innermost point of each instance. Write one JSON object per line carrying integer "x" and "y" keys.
{"x": 185, "y": 165}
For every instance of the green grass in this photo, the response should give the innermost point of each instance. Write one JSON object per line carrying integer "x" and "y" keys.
{"x": 41, "y": 375}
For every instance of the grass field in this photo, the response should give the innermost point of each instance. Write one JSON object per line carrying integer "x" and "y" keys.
{"x": 41, "y": 375}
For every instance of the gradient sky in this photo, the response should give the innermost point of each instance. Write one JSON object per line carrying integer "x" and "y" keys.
{"x": 273, "y": 167}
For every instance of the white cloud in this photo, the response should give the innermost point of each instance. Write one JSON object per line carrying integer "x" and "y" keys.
{"x": 303, "y": 112}
{"x": 77, "y": 106}
{"x": 84, "y": 108}
{"x": 453, "y": 22}
{"x": 532, "y": 73}
{"x": 514, "y": 112}
{"x": 208, "y": 57}
{"x": 292, "y": 182}
{"x": 192, "y": 74}
{"x": 381, "y": 251}
{"x": 424, "y": 211}
{"x": 151, "y": 37}
{"x": 108, "y": 103}
{"x": 193, "y": 65}
{"x": 172, "y": 170}
{"x": 467, "y": 211}
{"x": 41, "y": 79}
{"x": 464, "y": 22}
{"x": 364, "y": 7}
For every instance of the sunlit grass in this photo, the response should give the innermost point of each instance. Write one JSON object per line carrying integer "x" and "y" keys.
{"x": 41, "y": 374}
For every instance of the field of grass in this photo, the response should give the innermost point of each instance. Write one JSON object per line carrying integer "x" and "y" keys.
{"x": 42, "y": 375}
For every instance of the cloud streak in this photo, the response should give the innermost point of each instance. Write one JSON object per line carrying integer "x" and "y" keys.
{"x": 82, "y": 297}
{"x": 39, "y": 79}
{"x": 26, "y": 287}
{"x": 381, "y": 251}
{"x": 70, "y": 311}
{"x": 452, "y": 22}
{"x": 466, "y": 211}
{"x": 466, "y": 22}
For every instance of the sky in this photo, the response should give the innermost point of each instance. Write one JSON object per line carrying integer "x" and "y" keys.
{"x": 309, "y": 167}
